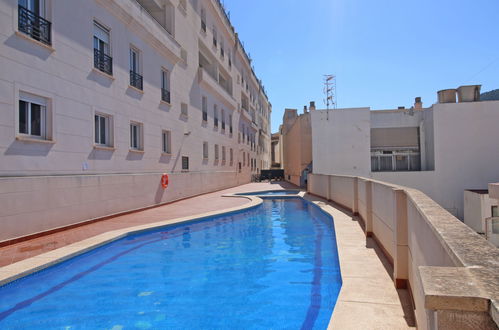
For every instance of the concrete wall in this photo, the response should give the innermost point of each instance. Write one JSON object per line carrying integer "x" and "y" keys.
{"x": 341, "y": 141}
{"x": 429, "y": 249}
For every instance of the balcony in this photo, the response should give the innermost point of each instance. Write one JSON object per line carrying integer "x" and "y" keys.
{"x": 34, "y": 26}
{"x": 136, "y": 80}
{"x": 103, "y": 62}
{"x": 208, "y": 80}
{"x": 165, "y": 95}
{"x": 143, "y": 23}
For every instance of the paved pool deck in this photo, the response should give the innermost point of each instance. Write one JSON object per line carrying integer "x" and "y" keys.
{"x": 368, "y": 298}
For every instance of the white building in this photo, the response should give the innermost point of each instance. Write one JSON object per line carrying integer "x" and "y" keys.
{"x": 441, "y": 150}
{"x": 99, "y": 97}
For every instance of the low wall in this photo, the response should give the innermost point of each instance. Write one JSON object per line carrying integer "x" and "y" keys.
{"x": 451, "y": 272}
{"x": 36, "y": 204}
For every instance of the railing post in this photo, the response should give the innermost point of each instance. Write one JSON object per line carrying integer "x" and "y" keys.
{"x": 369, "y": 209}
{"x": 401, "y": 256}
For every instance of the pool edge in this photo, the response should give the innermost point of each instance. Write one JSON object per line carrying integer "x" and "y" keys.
{"x": 34, "y": 264}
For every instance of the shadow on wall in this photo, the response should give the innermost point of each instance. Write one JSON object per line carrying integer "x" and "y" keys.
{"x": 28, "y": 149}
{"x": 134, "y": 155}
{"x": 100, "y": 79}
{"x": 160, "y": 191}
{"x": 165, "y": 158}
{"x": 101, "y": 154}
{"x": 133, "y": 93}
{"x": 25, "y": 46}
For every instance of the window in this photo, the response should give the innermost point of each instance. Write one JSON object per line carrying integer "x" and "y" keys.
{"x": 135, "y": 77}
{"x": 31, "y": 20}
{"x": 214, "y": 36}
{"x": 166, "y": 138}
{"x": 495, "y": 211}
{"x": 136, "y": 142}
{"x": 185, "y": 163}
{"x": 223, "y": 153}
{"x": 229, "y": 57}
{"x": 223, "y": 118}
{"x": 205, "y": 108}
{"x": 222, "y": 51}
{"x": 102, "y": 59}
{"x": 33, "y": 116}
{"x": 205, "y": 150}
{"x": 102, "y": 130}
{"x": 165, "y": 85}
{"x": 231, "y": 156}
{"x": 216, "y": 151}
{"x": 203, "y": 20}
{"x": 215, "y": 115}
{"x": 183, "y": 109}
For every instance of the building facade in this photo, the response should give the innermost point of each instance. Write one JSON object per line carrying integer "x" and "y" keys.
{"x": 296, "y": 146}
{"x": 440, "y": 150}
{"x": 100, "y": 94}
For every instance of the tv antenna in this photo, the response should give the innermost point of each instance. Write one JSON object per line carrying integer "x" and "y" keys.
{"x": 330, "y": 90}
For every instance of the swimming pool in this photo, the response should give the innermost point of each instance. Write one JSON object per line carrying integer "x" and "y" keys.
{"x": 271, "y": 192}
{"x": 272, "y": 266}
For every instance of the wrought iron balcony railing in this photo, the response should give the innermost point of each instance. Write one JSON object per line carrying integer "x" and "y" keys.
{"x": 135, "y": 80}
{"x": 103, "y": 62}
{"x": 34, "y": 25}
{"x": 165, "y": 95}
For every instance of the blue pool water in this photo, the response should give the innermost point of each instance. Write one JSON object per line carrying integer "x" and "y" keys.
{"x": 271, "y": 267}
{"x": 271, "y": 192}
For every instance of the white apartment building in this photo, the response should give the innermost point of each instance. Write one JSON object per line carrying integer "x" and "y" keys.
{"x": 98, "y": 98}
{"x": 441, "y": 150}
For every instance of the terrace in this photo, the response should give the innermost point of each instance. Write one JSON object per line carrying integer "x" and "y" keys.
{"x": 380, "y": 289}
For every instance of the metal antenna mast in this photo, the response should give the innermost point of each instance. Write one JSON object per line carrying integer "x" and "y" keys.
{"x": 330, "y": 90}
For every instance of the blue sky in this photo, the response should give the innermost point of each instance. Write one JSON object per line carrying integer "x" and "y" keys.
{"x": 383, "y": 53}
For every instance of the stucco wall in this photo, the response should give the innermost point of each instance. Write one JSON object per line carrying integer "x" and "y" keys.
{"x": 297, "y": 146}
{"x": 341, "y": 141}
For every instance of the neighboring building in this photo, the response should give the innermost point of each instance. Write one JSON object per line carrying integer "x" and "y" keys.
{"x": 276, "y": 150}
{"x": 492, "y": 223}
{"x": 123, "y": 90}
{"x": 479, "y": 213}
{"x": 441, "y": 150}
{"x": 297, "y": 145}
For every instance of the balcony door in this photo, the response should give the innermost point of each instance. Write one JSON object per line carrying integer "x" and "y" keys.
{"x": 101, "y": 39}
{"x": 35, "y": 6}
{"x": 134, "y": 61}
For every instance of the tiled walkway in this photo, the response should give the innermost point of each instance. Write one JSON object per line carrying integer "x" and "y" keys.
{"x": 187, "y": 207}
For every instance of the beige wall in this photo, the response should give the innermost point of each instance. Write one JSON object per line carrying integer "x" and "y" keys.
{"x": 297, "y": 146}
{"x": 429, "y": 247}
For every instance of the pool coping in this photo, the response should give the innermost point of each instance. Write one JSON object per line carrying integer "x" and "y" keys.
{"x": 37, "y": 263}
